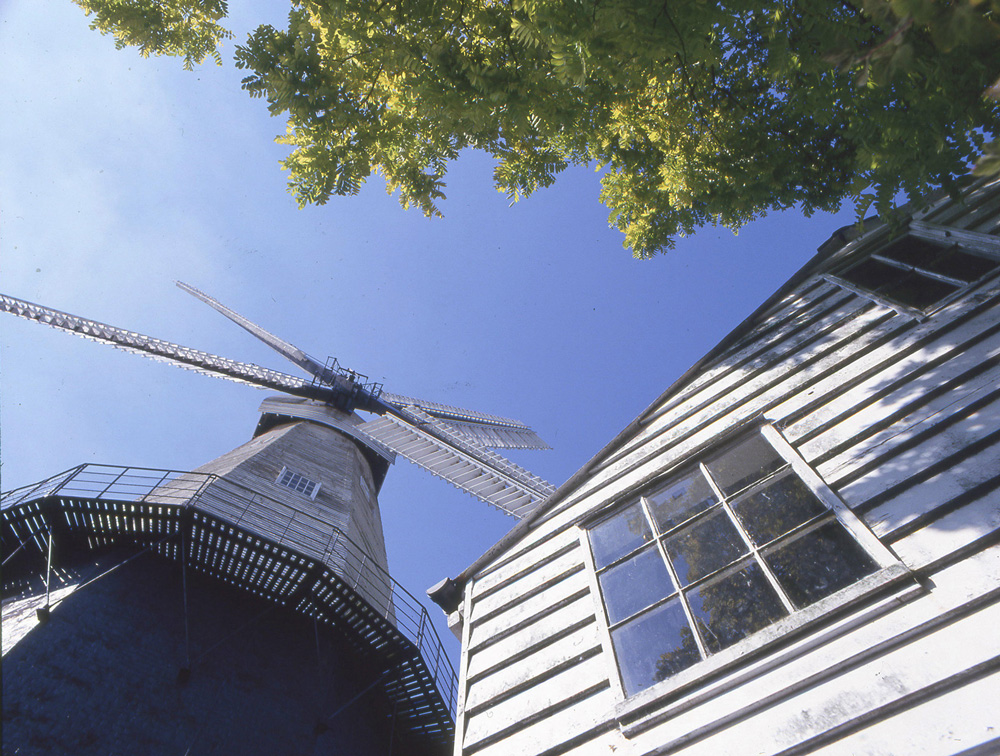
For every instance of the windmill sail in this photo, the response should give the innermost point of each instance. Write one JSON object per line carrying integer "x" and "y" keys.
{"x": 449, "y": 442}
{"x": 290, "y": 517}
{"x": 492, "y": 431}
{"x": 160, "y": 350}
{"x": 288, "y": 351}
{"x": 439, "y": 449}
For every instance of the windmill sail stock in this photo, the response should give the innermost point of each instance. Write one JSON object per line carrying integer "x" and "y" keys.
{"x": 450, "y": 442}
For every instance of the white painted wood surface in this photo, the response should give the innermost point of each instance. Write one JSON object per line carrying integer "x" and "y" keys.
{"x": 901, "y": 417}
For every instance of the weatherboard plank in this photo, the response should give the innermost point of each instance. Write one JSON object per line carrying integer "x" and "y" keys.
{"x": 830, "y": 701}
{"x": 565, "y": 590}
{"x": 513, "y": 712}
{"x": 753, "y": 346}
{"x": 820, "y": 429}
{"x": 956, "y": 531}
{"x": 525, "y": 671}
{"x": 544, "y": 628}
{"x": 954, "y": 439}
{"x": 927, "y": 419}
{"x": 528, "y": 583}
{"x": 547, "y": 733}
{"x": 929, "y": 495}
{"x": 853, "y": 315}
{"x": 511, "y": 565}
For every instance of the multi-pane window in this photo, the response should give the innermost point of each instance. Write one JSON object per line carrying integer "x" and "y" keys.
{"x": 720, "y": 550}
{"x": 918, "y": 272}
{"x": 297, "y": 483}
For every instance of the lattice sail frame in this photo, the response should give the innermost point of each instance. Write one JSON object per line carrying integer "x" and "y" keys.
{"x": 450, "y": 442}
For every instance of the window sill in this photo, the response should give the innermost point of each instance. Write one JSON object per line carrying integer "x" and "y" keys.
{"x": 705, "y": 680}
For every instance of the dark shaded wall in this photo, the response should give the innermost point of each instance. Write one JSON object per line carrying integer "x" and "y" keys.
{"x": 102, "y": 675}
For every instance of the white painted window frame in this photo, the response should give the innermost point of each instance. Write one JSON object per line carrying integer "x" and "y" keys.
{"x": 984, "y": 245}
{"x": 315, "y": 486}
{"x": 765, "y": 641}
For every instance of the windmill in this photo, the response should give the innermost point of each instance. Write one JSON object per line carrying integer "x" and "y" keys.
{"x": 291, "y": 518}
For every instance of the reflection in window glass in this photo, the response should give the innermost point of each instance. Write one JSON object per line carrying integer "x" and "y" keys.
{"x": 719, "y": 569}
{"x": 680, "y": 500}
{"x": 635, "y": 584}
{"x": 777, "y": 508}
{"x": 820, "y": 563}
{"x": 729, "y": 608}
{"x": 744, "y": 464}
{"x": 705, "y": 546}
{"x": 617, "y": 536}
{"x": 654, "y": 646}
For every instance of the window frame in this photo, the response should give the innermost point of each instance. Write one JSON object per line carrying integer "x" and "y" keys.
{"x": 889, "y": 570}
{"x": 312, "y": 492}
{"x": 971, "y": 242}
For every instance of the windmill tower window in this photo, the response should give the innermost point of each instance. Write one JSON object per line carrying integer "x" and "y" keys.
{"x": 730, "y": 544}
{"x": 919, "y": 273}
{"x": 297, "y": 483}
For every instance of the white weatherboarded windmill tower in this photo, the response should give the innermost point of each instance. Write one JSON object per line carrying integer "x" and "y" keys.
{"x": 246, "y": 606}
{"x": 795, "y": 549}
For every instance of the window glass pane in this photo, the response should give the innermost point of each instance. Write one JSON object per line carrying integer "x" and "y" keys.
{"x": 962, "y": 265}
{"x": 296, "y": 482}
{"x": 948, "y": 261}
{"x": 777, "y": 508}
{"x": 680, "y": 500}
{"x": 918, "y": 291}
{"x": 913, "y": 251}
{"x": 617, "y": 536}
{"x": 744, "y": 464}
{"x": 704, "y": 546}
{"x": 732, "y": 607}
{"x": 872, "y": 274}
{"x": 820, "y": 563}
{"x": 654, "y": 646}
{"x": 635, "y": 584}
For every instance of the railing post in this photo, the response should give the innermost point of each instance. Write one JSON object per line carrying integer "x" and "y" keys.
{"x": 361, "y": 569}
{"x": 436, "y": 674}
{"x": 420, "y": 630}
{"x": 291, "y": 519}
{"x": 206, "y": 481}
{"x": 43, "y": 613}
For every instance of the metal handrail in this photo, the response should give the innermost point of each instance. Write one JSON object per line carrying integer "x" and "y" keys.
{"x": 139, "y": 485}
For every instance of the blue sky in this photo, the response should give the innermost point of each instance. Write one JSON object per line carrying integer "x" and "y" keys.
{"x": 119, "y": 175}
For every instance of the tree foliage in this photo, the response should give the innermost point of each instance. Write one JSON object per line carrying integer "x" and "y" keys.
{"x": 697, "y": 112}
{"x": 188, "y": 29}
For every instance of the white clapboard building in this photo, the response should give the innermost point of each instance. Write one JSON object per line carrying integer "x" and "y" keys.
{"x": 795, "y": 549}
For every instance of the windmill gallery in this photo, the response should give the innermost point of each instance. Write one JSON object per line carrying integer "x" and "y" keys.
{"x": 280, "y": 547}
{"x": 795, "y": 549}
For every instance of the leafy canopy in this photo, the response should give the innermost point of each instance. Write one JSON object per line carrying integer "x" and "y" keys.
{"x": 697, "y": 111}
{"x": 189, "y": 29}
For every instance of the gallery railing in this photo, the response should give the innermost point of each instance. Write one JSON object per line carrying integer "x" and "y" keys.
{"x": 295, "y": 527}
